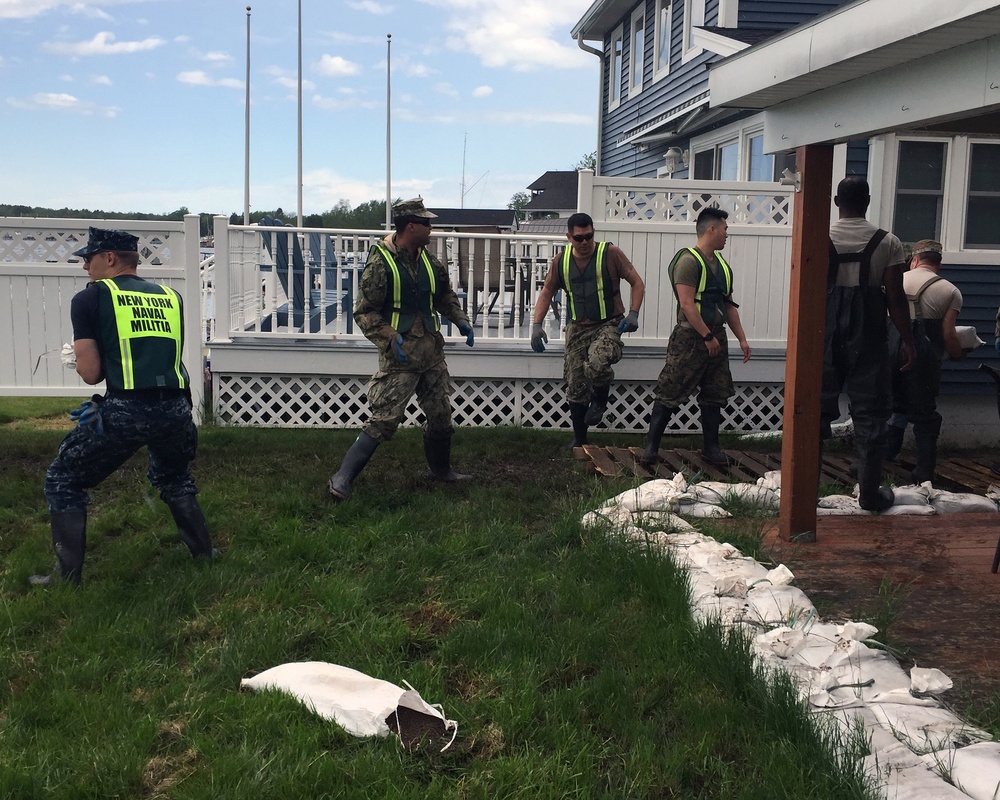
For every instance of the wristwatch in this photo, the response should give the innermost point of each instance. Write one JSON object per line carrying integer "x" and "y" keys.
{"x": 708, "y": 336}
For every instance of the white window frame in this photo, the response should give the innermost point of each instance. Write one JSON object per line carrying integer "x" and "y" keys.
{"x": 729, "y": 13}
{"x": 615, "y": 86}
{"x": 694, "y": 17}
{"x": 739, "y": 132}
{"x": 636, "y": 65}
{"x": 956, "y": 189}
{"x": 658, "y": 23}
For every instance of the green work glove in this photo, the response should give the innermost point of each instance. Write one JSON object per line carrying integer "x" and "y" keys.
{"x": 538, "y": 337}
{"x": 630, "y": 323}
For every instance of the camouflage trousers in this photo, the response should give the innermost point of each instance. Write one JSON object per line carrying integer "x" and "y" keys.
{"x": 688, "y": 367}
{"x": 389, "y": 392}
{"x": 591, "y": 350}
{"x": 86, "y": 456}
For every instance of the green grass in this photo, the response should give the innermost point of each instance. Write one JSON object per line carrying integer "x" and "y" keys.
{"x": 569, "y": 658}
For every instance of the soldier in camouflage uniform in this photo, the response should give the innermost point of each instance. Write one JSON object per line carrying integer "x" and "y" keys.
{"x": 591, "y": 274}
{"x": 129, "y": 333}
{"x": 698, "y": 351}
{"x": 403, "y": 293}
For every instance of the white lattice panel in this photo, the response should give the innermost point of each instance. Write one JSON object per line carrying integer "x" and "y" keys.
{"x": 55, "y": 244}
{"x": 341, "y": 402}
{"x": 669, "y": 205}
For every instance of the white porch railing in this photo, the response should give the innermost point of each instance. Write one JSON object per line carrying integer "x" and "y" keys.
{"x": 286, "y": 351}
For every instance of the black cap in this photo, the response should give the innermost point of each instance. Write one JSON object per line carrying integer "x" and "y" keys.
{"x": 102, "y": 239}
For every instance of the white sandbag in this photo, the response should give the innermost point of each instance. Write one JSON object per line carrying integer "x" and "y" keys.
{"x": 927, "y": 729}
{"x": 700, "y": 510}
{"x": 780, "y": 576}
{"x": 359, "y": 703}
{"x": 929, "y": 681}
{"x": 781, "y": 642}
{"x": 897, "y": 510}
{"x": 613, "y": 517}
{"x": 960, "y": 502}
{"x": 976, "y": 770}
{"x": 659, "y": 494}
{"x": 911, "y": 495}
{"x": 839, "y": 504}
{"x": 778, "y": 605}
{"x": 912, "y": 783}
{"x": 771, "y": 480}
{"x": 665, "y": 521}
{"x": 857, "y": 631}
{"x": 355, "y": 701}
{"x": 968, "y": 337}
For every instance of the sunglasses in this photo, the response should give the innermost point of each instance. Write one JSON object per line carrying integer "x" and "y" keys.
{"x": 86, "y": 259}
{"x": 421, "y": 221}
{"x": 583, "y": 237}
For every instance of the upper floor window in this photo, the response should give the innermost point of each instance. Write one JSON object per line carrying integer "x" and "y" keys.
{"x": 694, "y": 17}
{"x": 983, "y": 210}
{"x": 616, "y": 70}
{"x": 663, "y": 25}
{"x": 637, "y": 50}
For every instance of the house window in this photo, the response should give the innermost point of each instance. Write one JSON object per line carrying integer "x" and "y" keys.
{"x": 663, "y": 31}
{"x": 638, "y": 49}
{"x": 694, "y": 17}
{"x": 615, "y": 73}
{"x": 983, "y": 209}
{"x": 919, "y": 189}
{"x": 736, "y": 153}
{"x": 763, "y": 166}
{"x": 717, "y": 163}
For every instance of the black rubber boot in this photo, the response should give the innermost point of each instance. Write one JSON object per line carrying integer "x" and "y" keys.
{"x": 872, "y": 496}
{"x": 598, "y": 405}
{"x": 923, "y": 470}
{"x": 192, "y": 527}
{"x": 69, "y": 540}
{"x": 437, "y": 449}
{"x": 578, "y": 416}
{"x": 354, "y": 461}
{"x": 711, "y": 420}
{"x": 658, "y": 421}
{"x": 893, "y": 442}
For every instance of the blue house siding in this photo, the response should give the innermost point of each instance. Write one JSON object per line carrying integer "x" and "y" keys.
{"x": 980, "y": 287}
{"x": 779, "y": 15}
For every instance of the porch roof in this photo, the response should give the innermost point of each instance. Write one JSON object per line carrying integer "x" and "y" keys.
{"x": 838, "y": 77}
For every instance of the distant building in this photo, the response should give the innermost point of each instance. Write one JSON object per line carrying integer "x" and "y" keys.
{"x": 475, "y": 220}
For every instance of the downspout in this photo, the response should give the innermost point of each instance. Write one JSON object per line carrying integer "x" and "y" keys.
{"x": 600, "y": 98}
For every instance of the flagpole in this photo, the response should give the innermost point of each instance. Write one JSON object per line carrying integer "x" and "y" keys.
{"x": 246, "y": 166}
{"x": 388, "y": 133}
{"x": 300, "y": 115}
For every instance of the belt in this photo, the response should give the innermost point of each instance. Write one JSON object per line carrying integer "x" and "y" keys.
{"x": 165, "y": 393}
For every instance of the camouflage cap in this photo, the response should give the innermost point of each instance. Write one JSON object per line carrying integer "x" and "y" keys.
{"x": 103, "y": 239}
{"x": 927, "y": 246}
{"x": 411, "y": 208}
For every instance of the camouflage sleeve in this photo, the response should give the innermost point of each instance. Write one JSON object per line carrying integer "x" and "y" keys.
{"x": 371, "y": 297}
{"x": 447, "y": 303}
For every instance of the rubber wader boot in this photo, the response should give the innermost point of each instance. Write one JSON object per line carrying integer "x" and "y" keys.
{"x": 893, "y": 442}
{"x": 437, "y": 449}
{"x": 578, "y": 416}
{"x": 711, "y": 419}
{"x": 923, "y": 470}
{"x": 69, "y": 540}
{"x": 658, "y": 421}
{"x": 192, "y": 527}
{"x": 598, "y": 405}
{"x": 354, "y": 461}
{"x": 871, "y": 496}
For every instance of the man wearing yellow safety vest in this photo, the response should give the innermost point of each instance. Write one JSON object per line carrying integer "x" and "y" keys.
{"x": 698, "y": 350}
{"x": 590, "y": 273}
{"x": 129, "y": 333}
{"x": 403, "y": 293}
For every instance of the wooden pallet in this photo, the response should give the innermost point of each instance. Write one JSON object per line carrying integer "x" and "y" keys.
{"x": 953, "y": 474}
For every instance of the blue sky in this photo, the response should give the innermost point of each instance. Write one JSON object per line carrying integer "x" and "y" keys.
{"x": 138, "y": 105}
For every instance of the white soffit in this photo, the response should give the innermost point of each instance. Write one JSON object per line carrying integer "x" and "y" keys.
{"x": 962, "y": 82}
{"x": 850, "y": 42}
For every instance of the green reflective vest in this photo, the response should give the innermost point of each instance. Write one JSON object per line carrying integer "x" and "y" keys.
{"x": 142, "y": 335}
{"x": 590, "y": 294}
{"x": 709, "y": 294}
{"x": 406, "y": 297}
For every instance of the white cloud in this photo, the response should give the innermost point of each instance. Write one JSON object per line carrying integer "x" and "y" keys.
{"x": 520, "y": 34}
{"x": 482, "y": 91}
{"x": 217, "y": 58}
{"x": 61, "y": 102}
{"x": 103, "y": 44}
{"x": 25, "y": 9}
{"x": 446, "y": 89}
{"x": 336, "y": 67}
{"x": 103, "y": 80}
{"x": 199, "y": 78}
{"x": 411, "y": 69}
{"x": 293, "y": 83}
{"x": 343, "y": 103}
{"x": 380, "y": 9}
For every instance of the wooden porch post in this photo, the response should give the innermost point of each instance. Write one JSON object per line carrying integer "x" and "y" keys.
{"x": 804, "y": 354}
